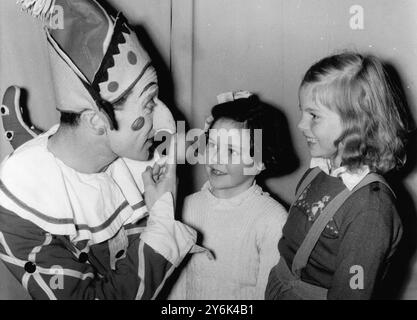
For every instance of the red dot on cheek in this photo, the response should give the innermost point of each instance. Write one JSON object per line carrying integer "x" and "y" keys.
{"x": 138, "y": 124}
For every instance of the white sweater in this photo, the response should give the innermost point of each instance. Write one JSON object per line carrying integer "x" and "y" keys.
{"x": 243, "y": 234}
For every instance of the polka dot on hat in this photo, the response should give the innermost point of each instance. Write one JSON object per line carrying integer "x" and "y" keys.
{"x": 113, "y": 86}
{"x": 132, "y": 58}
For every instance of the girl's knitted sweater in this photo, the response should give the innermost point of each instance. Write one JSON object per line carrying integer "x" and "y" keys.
{"x": 242, "y": 233}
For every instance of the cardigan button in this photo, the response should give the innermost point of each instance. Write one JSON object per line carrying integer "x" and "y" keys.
{"x": 30, "y": 267}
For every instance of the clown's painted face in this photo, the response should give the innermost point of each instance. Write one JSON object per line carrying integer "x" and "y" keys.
{"x": 134, "y": 117}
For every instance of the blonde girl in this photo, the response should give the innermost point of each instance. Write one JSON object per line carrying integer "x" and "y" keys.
{"x": 343, "y": 227}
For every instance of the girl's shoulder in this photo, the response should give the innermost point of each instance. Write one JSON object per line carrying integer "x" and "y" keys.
{"x": 268, "y": 201}
{"x": 196, "y": 198}
{"x": 373, "y": 205}
{"x": 269, "y": 207}
{"x": 303, "y": 177}
{"x": 194, "y": 208}
{"x": 375, "y": 196}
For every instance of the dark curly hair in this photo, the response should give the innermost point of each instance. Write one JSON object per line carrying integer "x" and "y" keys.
{"x": 252, "y": 114}
{"x": 360, "y": 90}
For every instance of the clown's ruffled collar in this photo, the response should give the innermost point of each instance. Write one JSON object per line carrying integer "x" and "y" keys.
{"x": 38, "y": 187}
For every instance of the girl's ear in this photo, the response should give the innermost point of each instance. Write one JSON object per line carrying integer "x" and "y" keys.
{"x": 255, "y": 169}
{"x": 95, "y": 121}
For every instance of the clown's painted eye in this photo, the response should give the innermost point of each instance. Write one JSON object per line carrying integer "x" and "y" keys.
{"x": 150, "y": 106}
{"x": 150, "y": 97}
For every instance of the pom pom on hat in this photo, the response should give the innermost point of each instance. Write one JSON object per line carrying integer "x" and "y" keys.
{"x": 41, "y": 9}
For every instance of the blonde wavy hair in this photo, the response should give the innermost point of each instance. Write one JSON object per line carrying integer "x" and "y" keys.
{"x": 360, "y": 90}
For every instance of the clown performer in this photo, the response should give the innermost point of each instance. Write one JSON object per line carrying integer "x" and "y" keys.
{"x": 80, "y": 217}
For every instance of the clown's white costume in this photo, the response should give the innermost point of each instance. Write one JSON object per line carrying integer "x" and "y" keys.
{"x": 71, "y": 235}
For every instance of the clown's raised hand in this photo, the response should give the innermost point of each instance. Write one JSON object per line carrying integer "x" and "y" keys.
{"x": 162, "y": 177}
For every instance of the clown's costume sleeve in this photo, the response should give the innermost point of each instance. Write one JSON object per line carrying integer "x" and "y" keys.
{"x": 67, "y": 235}
{"x": 52, "y": 267}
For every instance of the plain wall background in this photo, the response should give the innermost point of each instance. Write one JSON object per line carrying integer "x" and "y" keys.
{"x": 204, "y": 47}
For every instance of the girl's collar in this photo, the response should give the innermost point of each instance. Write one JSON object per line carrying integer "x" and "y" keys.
{"x": 234, "y": 201}
{"x": 350, "y": 179}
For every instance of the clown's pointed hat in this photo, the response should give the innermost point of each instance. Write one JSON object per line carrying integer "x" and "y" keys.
{"x": 95, "y": 59}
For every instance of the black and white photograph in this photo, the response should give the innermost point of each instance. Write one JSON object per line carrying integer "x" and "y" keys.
{"x": 215, "y": 151}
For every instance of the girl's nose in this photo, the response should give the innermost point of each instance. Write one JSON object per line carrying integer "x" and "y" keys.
{"x": 217, "y": 155}
{"x": 303, "y": 124}
{"x": 211, "y": 155}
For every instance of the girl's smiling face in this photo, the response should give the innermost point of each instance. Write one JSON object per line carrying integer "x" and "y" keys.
{"x": 319, "y": 125}
{"x": 228, "y": 154}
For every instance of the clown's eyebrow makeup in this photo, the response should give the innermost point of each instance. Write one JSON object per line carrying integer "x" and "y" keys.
{"x": 120, "y": 101}
{"x": 149, "y": 95}
{"x": 150, "y": 84}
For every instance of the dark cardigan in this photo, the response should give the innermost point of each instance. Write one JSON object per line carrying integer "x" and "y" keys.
{"x": 362, "y": 236}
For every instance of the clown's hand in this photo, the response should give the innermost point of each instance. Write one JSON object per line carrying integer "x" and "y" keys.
{"x": 161, "y": 178}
